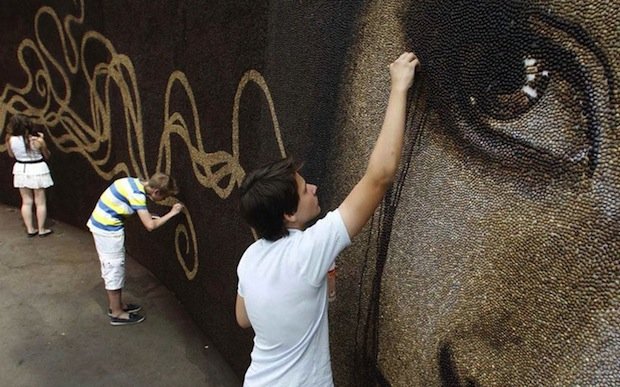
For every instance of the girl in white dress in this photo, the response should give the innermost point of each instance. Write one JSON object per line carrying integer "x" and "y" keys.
{"x": 31, "y": 175}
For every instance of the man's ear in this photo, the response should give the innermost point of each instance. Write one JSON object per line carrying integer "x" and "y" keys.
{"x": 290, "y": 218}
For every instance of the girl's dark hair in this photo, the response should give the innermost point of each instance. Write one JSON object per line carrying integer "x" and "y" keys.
{"x": 20, "y": 126}
{"x": 268, "y": 193}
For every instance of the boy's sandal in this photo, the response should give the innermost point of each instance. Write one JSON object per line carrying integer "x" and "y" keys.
{"x": 132, "y": 319}
{"x": 130, "y": 308}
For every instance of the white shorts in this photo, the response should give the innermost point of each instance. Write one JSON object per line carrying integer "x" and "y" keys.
{"x": 111, "y": 251}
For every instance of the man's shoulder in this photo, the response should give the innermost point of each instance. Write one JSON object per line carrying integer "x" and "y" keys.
{"x": 331, "y": 217}
{"x": 247, "y": 256}
{"x": 260, "y": 248}
{"x": 327, "y": 230}
{"x": 255, "y": 247}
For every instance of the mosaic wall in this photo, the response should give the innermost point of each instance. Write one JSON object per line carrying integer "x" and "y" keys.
{"x": 493, "y": 260}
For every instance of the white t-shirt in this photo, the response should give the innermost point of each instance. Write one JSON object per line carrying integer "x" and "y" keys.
{"x": 284, "y": 286}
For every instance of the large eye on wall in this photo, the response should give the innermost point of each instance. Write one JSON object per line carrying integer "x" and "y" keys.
{"x": 512, "y": 89}
{"x": 520, "y": 86}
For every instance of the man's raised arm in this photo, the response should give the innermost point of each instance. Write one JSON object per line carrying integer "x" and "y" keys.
{"x": 363, "y": 200}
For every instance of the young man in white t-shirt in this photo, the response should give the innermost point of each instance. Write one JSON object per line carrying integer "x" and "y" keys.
{"x": 282, "y": 291}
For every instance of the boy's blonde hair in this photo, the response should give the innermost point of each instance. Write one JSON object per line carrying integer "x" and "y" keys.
{"x": 166, "y": 185}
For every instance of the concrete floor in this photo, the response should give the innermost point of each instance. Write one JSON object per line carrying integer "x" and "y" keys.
{"x": 55, "y": 331}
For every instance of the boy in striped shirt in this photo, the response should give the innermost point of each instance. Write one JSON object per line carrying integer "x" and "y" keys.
{"x": 121, "y": 199}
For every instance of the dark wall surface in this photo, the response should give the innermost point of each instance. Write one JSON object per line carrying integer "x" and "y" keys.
{"x": 495, "y": 259}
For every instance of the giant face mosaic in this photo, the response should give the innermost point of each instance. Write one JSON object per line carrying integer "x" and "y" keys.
{"x": 495, "y": 258}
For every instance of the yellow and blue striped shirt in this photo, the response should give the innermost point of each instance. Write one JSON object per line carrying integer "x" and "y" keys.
{"x": 122, "y": 198}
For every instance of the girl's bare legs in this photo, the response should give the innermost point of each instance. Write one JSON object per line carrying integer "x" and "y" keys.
{"x": 41, "y": 204}
{"x": 26, "y": 194}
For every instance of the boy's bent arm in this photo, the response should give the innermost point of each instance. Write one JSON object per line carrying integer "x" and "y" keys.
{"x": 151, "y": 223}
{"x": 241, "y": 314}
{"x": 361, "y": 203}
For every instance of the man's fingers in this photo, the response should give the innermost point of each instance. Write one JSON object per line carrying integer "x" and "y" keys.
{"x": 407, "y": 57}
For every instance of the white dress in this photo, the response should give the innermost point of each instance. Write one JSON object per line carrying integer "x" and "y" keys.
{"x": 30, "y": 169}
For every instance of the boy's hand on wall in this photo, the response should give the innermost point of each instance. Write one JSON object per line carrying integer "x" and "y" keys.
{"x": 177, "y": 208}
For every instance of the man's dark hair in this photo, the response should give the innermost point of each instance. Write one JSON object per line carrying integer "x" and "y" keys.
{"x": 268, "y": 193}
